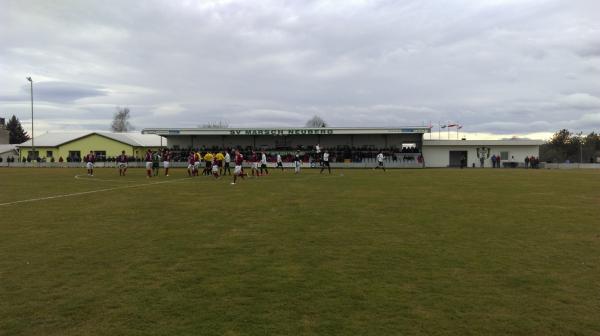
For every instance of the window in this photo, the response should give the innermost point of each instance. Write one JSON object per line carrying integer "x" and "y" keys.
{"x": 33, "y": 155}
{"x": 100, "y": 155}
{"x": 504, "y": 155}
{"x": 75, "y": 155}
{"x": 48, "y": 154}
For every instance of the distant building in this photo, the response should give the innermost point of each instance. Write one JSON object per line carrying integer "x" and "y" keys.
{"x": 4, "y": 133}
{"x": 8, "y": 151}
{"x": 75, "y": 145}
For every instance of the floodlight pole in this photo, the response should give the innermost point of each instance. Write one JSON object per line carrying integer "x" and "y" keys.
{"x": 32, "y": 136}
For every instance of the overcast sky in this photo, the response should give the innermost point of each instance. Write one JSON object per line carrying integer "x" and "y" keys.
{"x": 503, "y": 67}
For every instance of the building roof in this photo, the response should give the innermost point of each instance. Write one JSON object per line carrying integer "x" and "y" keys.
{"x": 53, "y": 139}
{"x": 287, "y": 130}
{"x": 7, "y": 148}
{"x": 510, "y": 142}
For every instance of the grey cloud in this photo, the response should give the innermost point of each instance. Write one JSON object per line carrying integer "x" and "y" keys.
{"x": 494, "y": 66}
{"x": 64, "y": 92}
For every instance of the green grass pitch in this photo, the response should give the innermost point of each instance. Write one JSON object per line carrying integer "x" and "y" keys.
{"x": 406, "y": 252}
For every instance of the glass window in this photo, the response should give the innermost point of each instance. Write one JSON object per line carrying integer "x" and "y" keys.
{"x": 504, "y": 155}
{"x": 100, "y": 155}
{"x": 33, "y": 154}
{"x": 49, "y": 154}
{"x": 75, "y": 155}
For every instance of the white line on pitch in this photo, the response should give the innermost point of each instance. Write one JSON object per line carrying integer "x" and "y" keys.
{"x": 89, "y": 192}
{"x": 94, "y": 179}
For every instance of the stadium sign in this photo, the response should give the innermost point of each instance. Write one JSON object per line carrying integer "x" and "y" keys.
{"x": 285, "y": 131}
{"x": 291, "y": 131}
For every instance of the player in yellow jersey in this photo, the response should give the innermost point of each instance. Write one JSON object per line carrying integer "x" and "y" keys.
{"x": 219, "y": 158}
{"x": 208, "y": 158}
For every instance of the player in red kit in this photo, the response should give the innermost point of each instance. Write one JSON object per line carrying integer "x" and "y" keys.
{"x": 239, "y": 160}
{"x": 89, "y": 163}
{"x": 215, "y": 168}
{"x": 149, "y": 163}
{"x": 122, "y": 163}
{"x": 191, "y": 163}
{"x": 166, "y": 161}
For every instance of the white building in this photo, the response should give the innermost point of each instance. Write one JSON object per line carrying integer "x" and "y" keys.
{"x": 8, "y": 151}
{"x": 448, "y": 153}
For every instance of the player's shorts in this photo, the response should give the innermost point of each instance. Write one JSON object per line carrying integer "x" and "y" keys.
{"x": 226, "y": 164}
{"x": 148, "y": 165}
{"x": 196, "y": 164}
{"x": 219, "y": 164}
{"x": 208, "y": 164}
{"x": 254, "y": 165}
{"x": 122, "y": 165}
{"x": 325, "y": 163}
{"x": 297, "y": 164}
{"x": 263, "y": 165}
{"x": 166, "y": 164}
{"x": 380, "y": 163}
{"x": 279, "y": 164}
{"x": 237, "y": 170}
{"x": 215, "y": 168}
{"x": 190, "y": 166}
{"x": 90, "y": 165}
{"x": 155, "y": 165}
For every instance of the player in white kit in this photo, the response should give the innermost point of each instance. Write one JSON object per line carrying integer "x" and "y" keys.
{"x": 263, "y": 163}
{"x": 380, "y": 161}
{"x": 325, "y": 162}
{"x": 279, "y": 162}
{"x": 297, "y": 162}
{"x": 226, "y": 168}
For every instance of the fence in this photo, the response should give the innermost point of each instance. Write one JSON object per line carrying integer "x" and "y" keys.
{"x": 572, "y": 165}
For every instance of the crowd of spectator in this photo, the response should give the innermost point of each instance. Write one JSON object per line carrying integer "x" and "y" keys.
{"x": 308, "y": 154}
{"x": 532, "y": 162}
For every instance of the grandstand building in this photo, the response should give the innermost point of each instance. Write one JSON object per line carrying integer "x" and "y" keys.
{"x": 351, "y": 146}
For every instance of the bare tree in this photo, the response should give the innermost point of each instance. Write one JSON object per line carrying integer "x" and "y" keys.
{"x": 316, "y": 121}
{"x": 121, "y": 122}
{"x": 217, "y": 124}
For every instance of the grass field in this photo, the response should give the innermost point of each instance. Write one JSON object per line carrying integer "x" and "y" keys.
{"x": 413, "y": 252}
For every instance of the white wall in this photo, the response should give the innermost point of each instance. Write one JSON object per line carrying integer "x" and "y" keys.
{"x": 439, "y": 156}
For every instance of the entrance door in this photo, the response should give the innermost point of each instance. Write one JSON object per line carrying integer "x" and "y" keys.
{"x": 456, "y": 156}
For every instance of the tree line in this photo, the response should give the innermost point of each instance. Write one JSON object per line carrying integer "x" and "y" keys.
{"x": 566, "y": 146}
